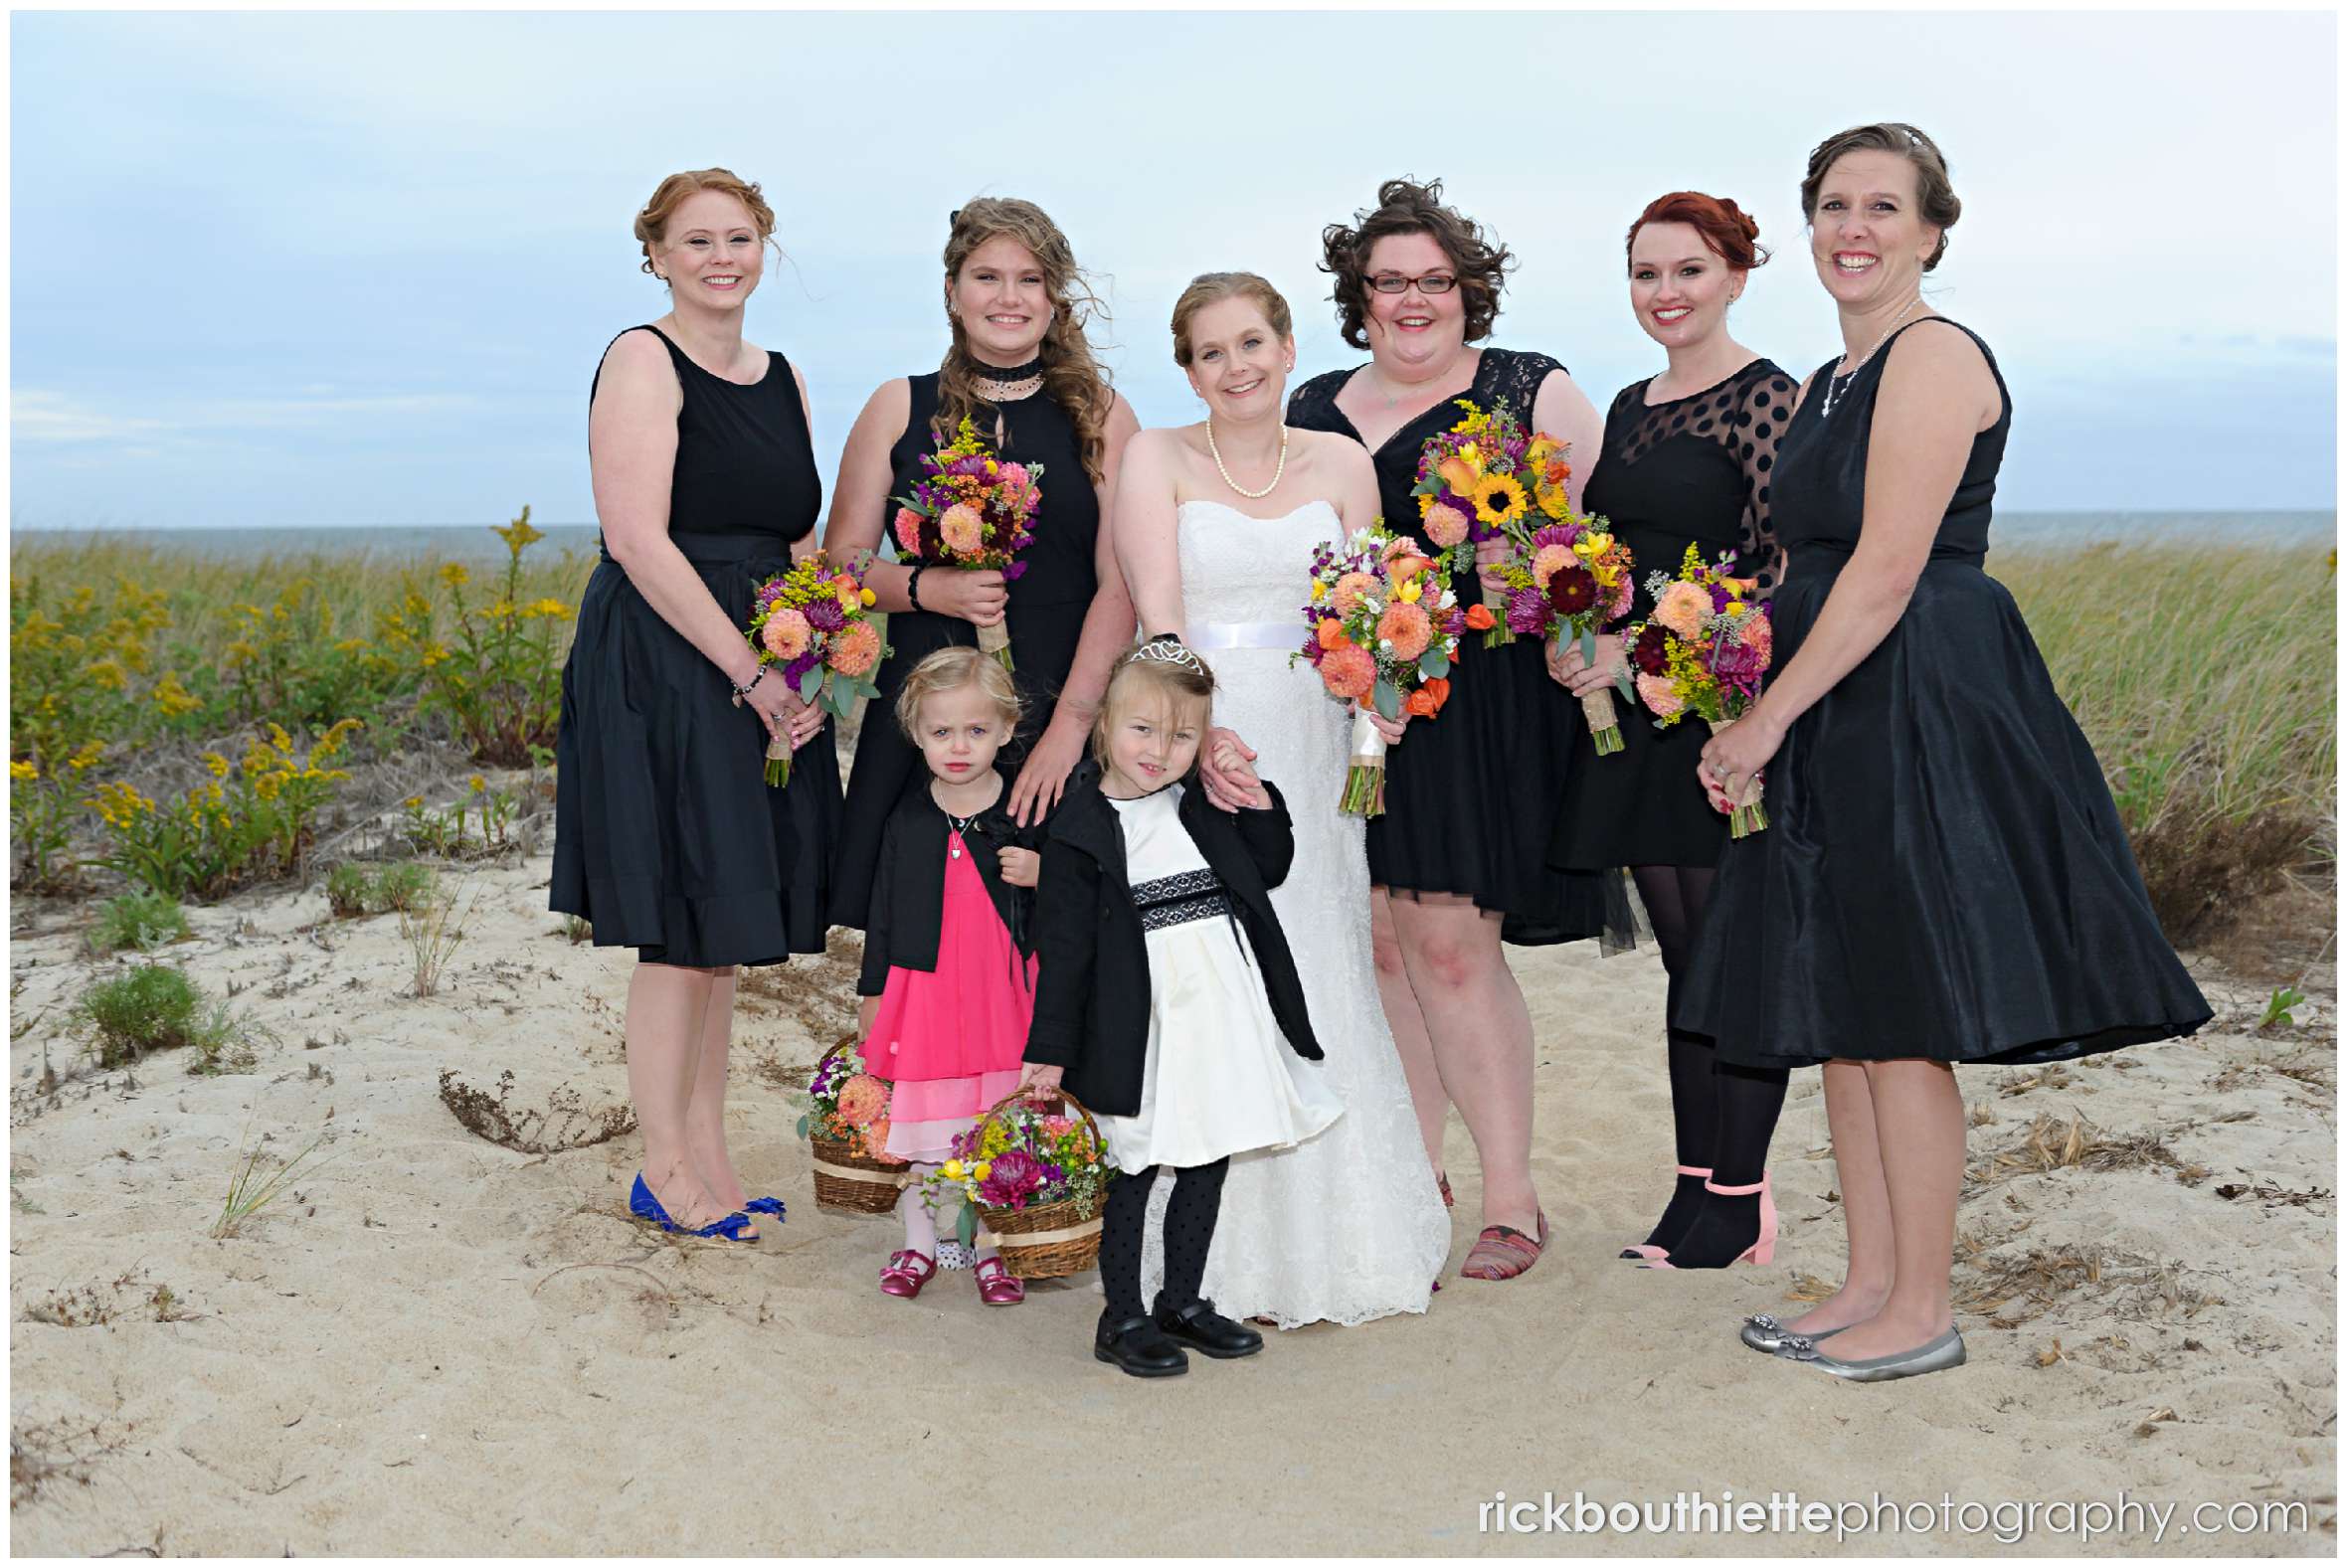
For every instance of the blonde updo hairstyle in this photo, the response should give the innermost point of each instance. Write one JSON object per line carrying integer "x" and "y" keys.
{"x": 1935, "y": 197}
{"x": 1209, "y": 288}
{"x": 652, "y": 223}
{"x": 1164, "y": 685}
{"x": 1072, "y": 376}
{"x": 951, "y": 669}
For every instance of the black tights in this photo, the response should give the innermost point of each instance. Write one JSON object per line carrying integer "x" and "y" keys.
{"x": 1722, "y": 1115}
{"x": 1191, "y": 1212}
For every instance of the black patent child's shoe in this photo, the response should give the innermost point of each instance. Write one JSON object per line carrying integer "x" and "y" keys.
{"x": 1206, "y": 1330}
{"x": 1135, "y": 1346}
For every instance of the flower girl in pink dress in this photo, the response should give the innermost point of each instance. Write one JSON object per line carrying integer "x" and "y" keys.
{"x": 945, "y": 947}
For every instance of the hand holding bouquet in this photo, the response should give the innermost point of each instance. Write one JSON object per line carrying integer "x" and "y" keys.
{"x": 1383, "y": 627}
{"x": 1705, "y": 650}
{"x": 1571, "y": 578}
{"x": 811, "y": 620}
{"x": 973, "y": 512}
{"x": 1478, "y": 479}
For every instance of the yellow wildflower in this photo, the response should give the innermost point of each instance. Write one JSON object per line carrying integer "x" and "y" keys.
{"x": 110, "y": 674}
{"x": 454, "y": 574}
{"x": 86, "y": 755}
{"x": 216, "y": 765}
{"x": 23, "y": 772}
{"x": 479, "y": 784}
{"x": 518, "y": 534}
{"x": 414, "y": 802}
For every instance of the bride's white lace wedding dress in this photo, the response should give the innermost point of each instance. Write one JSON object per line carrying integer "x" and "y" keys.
{"x": 1347, "y": 1226}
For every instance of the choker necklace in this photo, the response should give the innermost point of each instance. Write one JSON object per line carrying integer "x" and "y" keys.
{"x": 998, "y": 385}
{"x": 1253, "y": 495}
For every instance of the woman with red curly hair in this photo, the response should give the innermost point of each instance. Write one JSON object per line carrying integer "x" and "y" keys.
{"x": 1685, "y": 462}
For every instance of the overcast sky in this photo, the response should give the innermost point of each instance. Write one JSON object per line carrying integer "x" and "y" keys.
{"x": 354, "y": 270}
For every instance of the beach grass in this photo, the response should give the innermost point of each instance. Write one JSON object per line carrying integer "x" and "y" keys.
{"x": 2207, "y": 682}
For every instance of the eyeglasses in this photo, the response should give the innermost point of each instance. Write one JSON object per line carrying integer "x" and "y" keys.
{"x": 1431, "y": 283}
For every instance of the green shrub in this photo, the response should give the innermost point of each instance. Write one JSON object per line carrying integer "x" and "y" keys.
{"x": 138, "y": 920}
{"x": 353, "y": 889}
{"x": 154, "y": 1007}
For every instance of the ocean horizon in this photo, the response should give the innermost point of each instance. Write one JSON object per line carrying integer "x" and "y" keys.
{"x": 2277, "y": 529}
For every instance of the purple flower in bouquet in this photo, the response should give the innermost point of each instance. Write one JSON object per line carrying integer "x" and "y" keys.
{"x": 1527, "y": 611}
{"x": 1737, "y": 664}
{"x": 825, "y": 614}
{"x": 1012, "y": 1179}
{"x": 1721, "y": 598}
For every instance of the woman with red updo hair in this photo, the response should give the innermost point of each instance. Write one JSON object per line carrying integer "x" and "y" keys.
{"x": 1685, "y": 461}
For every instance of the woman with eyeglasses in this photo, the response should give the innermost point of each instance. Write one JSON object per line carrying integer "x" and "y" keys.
{"x": 1457, "y": 863}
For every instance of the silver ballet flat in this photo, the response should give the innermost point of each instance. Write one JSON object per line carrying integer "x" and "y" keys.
{"x": 1941, "y": 1353}
{"x": 1765, "y": 1334}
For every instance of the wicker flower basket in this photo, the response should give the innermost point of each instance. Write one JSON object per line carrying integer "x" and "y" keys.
{"x": 847, "y": 1178}
{"x": 1045, "y": 1241}
{"x": 850, "y": 1181}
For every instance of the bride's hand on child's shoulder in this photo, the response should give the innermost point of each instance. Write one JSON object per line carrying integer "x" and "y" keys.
{"x": 1020, "y": 867}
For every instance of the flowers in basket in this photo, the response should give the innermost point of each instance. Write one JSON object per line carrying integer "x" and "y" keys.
{"x": 1705, "y": 651}
{"x": 1019, "y": 1157}
{"x": 812, "y": 622}
{"x": 973, "y": 512}
{"x": 1570, "y": 578}
{"x": 1480, "y": 478}
{"x": 1383, "y": 627}
{"x": 847, "y": 1104}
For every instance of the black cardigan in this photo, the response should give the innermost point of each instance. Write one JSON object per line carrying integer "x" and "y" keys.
{"x": 1092, "y": 997}
{"x": 909, "y": 883}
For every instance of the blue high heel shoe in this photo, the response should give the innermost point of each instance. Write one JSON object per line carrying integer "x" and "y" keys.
{"x": 644, "y": 1206}
{"x": 772, "y": 1206}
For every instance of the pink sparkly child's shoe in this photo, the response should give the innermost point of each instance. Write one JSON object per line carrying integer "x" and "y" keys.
{"x": 906, "y": 1273}
{"x": 998, "y": 1285}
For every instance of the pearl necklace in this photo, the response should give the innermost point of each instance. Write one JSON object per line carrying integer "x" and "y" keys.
{"x": 1843, "y": 379}
{"x": 1253, "y": 495}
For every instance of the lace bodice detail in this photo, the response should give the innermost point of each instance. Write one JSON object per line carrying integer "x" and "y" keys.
{"x": 1249, "y": 569}
{"x": 1740, "y": 420}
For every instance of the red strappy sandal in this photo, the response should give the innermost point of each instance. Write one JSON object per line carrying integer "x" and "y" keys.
{"x": 1502, "y": 1251}
{"x": 906, "y": 1273}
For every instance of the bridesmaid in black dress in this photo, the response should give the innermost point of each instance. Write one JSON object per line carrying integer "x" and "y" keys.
{"x": 1686, "y": 462}
{"x": 666, "y": 837}
{"x": 1020, "y": 367}
{"x": 1457, "y": 860}
{"x": 1945, "y": 878}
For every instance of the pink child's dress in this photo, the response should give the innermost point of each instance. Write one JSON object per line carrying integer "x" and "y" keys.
{"x": 952, "y": 1041}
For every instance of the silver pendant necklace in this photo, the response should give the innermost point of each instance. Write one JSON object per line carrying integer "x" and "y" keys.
{"x": 961, "y": 830}
{"x": 1838, "y": 387}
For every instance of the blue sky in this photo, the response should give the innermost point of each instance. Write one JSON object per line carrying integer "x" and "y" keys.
{"x": 355, "y": 270}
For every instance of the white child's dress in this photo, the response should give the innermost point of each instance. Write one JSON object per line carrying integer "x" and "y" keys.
{"x": 1219, "y": 1078}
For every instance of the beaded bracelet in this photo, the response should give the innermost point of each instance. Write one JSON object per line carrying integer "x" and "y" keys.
{"x": 739, "y": 692}
{"x": 913, "y": 586}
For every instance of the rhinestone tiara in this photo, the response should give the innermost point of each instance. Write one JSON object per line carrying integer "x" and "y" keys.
{"x": 1167, "y": 651}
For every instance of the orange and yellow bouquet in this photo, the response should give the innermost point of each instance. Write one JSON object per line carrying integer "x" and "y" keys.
{"x": 1572, "y": 578}
{"x": 1479, "y": 480}
{"x": 1382, "y": 628}
{"x": 1705, "y": 650}
{"x": 972, "y": 511}
{"x": 812, "y": 622}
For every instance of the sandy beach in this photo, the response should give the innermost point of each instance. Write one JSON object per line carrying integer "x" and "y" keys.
{"x": 434, "y": 1344}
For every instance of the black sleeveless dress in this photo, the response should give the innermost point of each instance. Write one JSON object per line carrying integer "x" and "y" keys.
{"x": 665, "y": 833}
{"x": 1471, "y": 795}
{"x": 1943, "y": 874}
{"x": 1047, "y": 606}
{"x": 1693, "y": 470}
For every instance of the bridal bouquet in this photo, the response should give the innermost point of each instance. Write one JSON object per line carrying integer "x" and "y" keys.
{"x": 1570, "y": 578}
{"x": 811, "y": 620}
{"x": 1480, "y": 478}
{"x": 973, "y": 512}
{"x": 1383, "y": 627}
{"x": 1705, "y": 650}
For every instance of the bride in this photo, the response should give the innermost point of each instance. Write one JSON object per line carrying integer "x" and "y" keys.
{"x": 1214, "y": 527}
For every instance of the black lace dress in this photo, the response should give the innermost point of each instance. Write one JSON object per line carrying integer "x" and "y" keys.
{"x": 1471, "y": 795}
{"x": 1047, "y": 606}
{"x": 1693, "y": 470}
{"x": 666, "y": 835}
{"x": 1943, "y": 874}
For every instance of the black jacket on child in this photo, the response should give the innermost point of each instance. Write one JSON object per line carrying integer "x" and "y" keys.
{"x": 1092, "y": 996}
{"x": 909, "y": 883}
